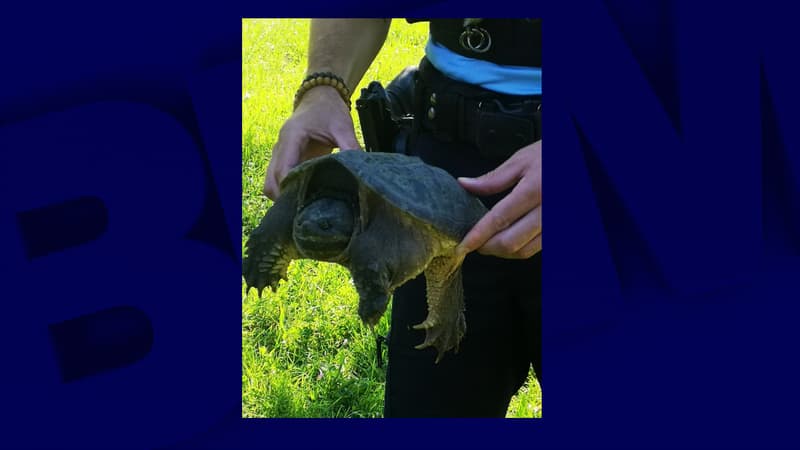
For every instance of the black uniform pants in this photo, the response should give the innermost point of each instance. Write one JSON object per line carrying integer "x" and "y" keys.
{"x": 503, "y": 316}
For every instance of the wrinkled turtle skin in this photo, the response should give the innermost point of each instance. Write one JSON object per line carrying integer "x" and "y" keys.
{"x": 386, "y": 218}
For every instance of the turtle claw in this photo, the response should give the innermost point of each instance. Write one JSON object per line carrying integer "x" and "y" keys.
{"x": 262, "y": 282}
{"x": 270, "y": 248}
{"x": 427, "y": 324}
{"x": 442, "y": 336}
{"x": 267, "y": 273}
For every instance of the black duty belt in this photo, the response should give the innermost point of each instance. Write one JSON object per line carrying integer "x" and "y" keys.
{"x": 496, "y": 125}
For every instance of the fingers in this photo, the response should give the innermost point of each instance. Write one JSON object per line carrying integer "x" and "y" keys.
{"x": 499, "y": 179}
{"x": 320, "y": 123}
{"x": 285, "y": 155}
{"x": 271, "y": 189}
{"x": 520, "y": 240}
{"x": 531, "y": 248}
{"x": 345, "y": 138}
{"x": 271, "y": 183}
{"x": 504, "y": 214}
{"x": 511, "y": 227}
{"x": 297, "y": 144}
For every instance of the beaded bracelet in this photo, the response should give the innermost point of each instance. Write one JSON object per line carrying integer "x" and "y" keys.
{"x": 322, "y": 79}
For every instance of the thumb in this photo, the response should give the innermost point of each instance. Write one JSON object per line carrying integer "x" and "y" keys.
{"x": 498, "y": 180}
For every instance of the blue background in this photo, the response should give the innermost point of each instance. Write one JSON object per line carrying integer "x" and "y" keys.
{"x": 673, "y": 182}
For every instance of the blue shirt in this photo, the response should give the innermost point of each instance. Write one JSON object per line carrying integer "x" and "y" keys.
{"x": 512, "y": 80}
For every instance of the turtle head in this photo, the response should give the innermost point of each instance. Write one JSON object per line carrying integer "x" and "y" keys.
{"x": 372, "y": 282}
{"x": 323, "y": 227}
{"x": 372, "y": 307}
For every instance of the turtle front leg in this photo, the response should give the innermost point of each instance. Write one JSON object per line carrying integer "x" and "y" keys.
{"x": 270, "y": 247}
{"x": 445, "y": 325}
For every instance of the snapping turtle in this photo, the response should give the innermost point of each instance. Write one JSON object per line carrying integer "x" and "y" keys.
{"x": 386, "y": 218}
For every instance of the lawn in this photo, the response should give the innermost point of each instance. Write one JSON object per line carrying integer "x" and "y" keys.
{"x": 304, "y": 350}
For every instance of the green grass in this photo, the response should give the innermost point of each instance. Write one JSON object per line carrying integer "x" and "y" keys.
{"x": 304, "y": 350}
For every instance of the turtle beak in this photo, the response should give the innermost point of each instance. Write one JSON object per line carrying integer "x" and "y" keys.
{"x": 371, "y": 309}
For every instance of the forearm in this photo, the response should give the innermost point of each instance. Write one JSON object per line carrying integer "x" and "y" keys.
{"x": 345, "y": 47}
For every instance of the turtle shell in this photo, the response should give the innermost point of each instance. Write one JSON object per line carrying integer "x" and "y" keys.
{"x": 425, "y": 192}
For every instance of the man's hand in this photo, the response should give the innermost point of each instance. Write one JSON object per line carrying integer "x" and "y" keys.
{"x": 320, "y": 123}
{"x": 513, "y": 228}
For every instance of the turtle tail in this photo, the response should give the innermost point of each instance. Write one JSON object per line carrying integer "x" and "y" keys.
{"x": 270, "y": 247}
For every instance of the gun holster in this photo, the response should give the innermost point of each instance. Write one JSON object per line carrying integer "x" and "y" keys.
{"x": 386, "y": 115}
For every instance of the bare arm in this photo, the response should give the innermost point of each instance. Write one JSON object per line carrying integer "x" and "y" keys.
{"x": 322, "y": 121}
{"x": 345, "y": 47}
